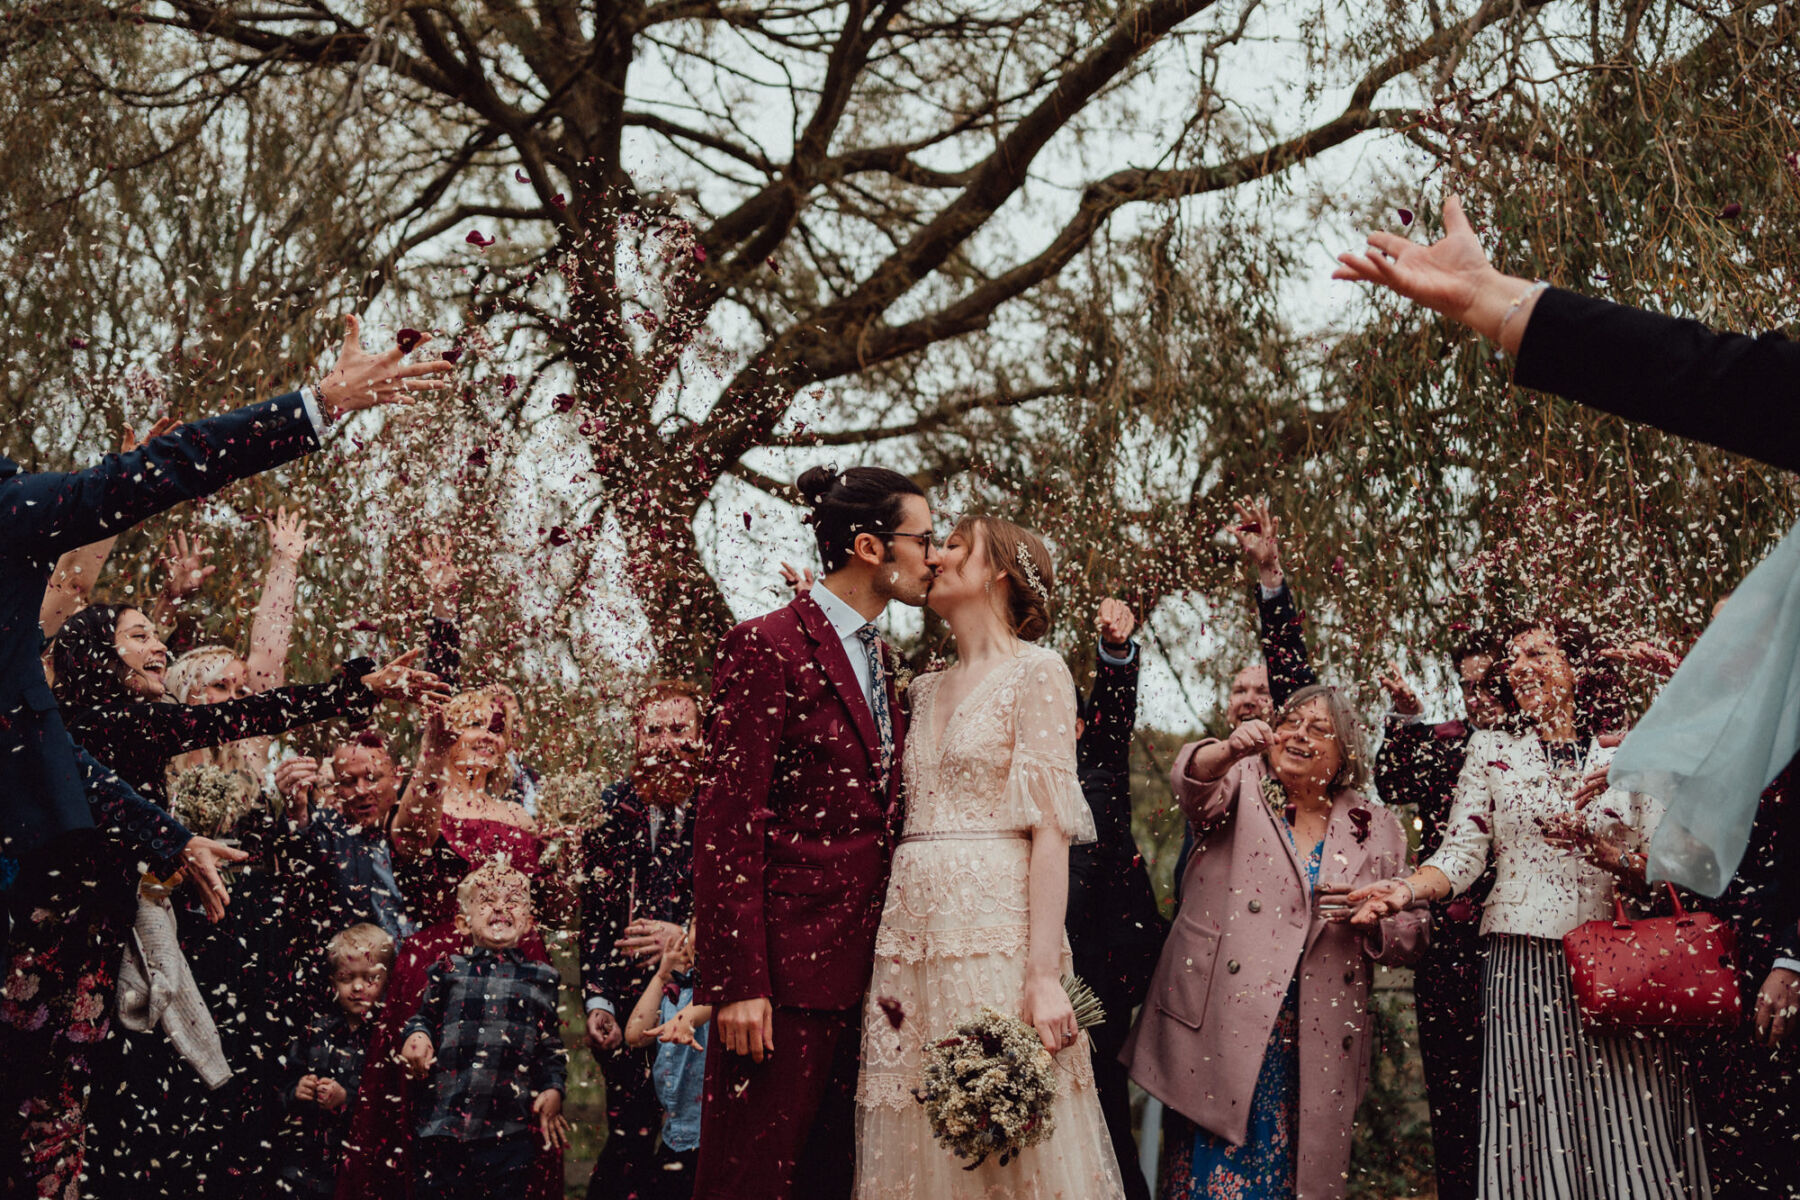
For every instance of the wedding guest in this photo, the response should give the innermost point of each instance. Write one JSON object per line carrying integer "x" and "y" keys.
{"x": 487, "y": 1044}
{"x": 668, "y": 1023}
{"x": 451, "y": 819}
{"x": 110, "y": 672}
{"x": 1418, "y": 766}
{"x": 71, "y": 831}
{"x": 1256, "y": 1031}
{"x": 637, "y": 895}
{"x": 1565, "y": 1110}
{"x": 323, "y": 1068}
{"x": 1115, "y": 928}
{"x": 348, "y": 835}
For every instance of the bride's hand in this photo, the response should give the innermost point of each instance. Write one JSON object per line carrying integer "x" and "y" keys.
{"x": 1047, "y": 1010}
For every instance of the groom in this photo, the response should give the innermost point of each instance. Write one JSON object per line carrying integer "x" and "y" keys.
{"x": 795, "y": 823}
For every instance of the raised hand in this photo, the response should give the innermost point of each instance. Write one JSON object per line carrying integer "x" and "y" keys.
{"x": 1115, "y": 621}
{"x": 438, "y": 568}
{"x": 1258, "y": 533}
{"x": 362, "y": 380}
{"x": 129, "y": 441}
{"x": 400, "y": 680}
{"x": 296, "y": 779}
{"x": 1648, "y": 655}
{"x": 801, "y": 579}
{"x": 184, "y": 565}
{"x": 1252, "y": 737}
{"x": 1400, "y": 693}
{"x": 288, "y": 538}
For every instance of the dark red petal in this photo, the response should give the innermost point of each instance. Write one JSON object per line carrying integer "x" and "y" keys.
{"x": 890, "y": 1008}
{"x": 452, "y": 354}
{"x": 562, "y": 402}
{"x": 1406, "y": 216}
{"x": 1337, "y": 565}
{"x": 1731, "y": 211}
{"x": 78, "y": 343}
{"x": 509, "y": 385}
{"x": 520, "y": 175}
{"x": 406, "y": 339}
{"x": 478, "y": 457}
{"x": 746, "y": 522}
{"x": 477, "y": 238}
{"x": 559, "y": 536}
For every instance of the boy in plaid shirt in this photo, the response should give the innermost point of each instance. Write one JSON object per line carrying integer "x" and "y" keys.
{"x": 487, "y": 1041}
{"x": 324, "y": 1065}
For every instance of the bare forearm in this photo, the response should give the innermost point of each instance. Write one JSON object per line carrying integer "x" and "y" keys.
{"x": 1048, "y": 892}
{"x": 272, "y": 628}
{"x": 420, "y": 813}
{"x": 1494, "y": 297}
{"x": 1429, "y": 883}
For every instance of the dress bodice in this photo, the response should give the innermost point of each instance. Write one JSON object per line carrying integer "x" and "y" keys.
{"x": 481, "y": 840}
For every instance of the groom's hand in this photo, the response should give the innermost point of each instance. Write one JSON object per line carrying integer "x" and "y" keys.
{"x": 748, "y": 1027}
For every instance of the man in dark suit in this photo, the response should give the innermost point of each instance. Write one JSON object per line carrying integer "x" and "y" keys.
{"x": 637, "y": 895}
{"x": 798, "y": 811}
{"x": 58, "y": 800}
{"x": 1419, "y": 765}
{"x": 1115, "y": 928}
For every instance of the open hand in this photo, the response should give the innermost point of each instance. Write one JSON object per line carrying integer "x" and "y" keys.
{"x": 287, "y": 534}
{"x": 1373, "y": 901}
{"x": 296, "y": 779}
{"x": 553, "y": 1127}
{"x": 649, "y": 939}
{"x": 438, "y": 569}
{"x": 400, "y": 680}
{"x": 362, "y": 380}
{"x": 184, "y": 564}
{"x": 1258, "y": 533}
{"x": 200, "y": 860}
{"x": 1593, "y": 785}
{"x": 1400, "y": 693}
{"x": 1777, "y": 1006}
{"x": 801, "y": 579}
{"x": 129, "y": 441}
{"x": 1647, "y": 655}
{"x": 678, "y": 1029}
{"x": 1447, "y": 276}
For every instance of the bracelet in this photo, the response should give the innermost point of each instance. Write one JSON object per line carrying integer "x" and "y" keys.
{"x": 1412, "y": 893}
{"x": 1513, "y": 308}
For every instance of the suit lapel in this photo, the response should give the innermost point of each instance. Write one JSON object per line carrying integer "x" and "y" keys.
{"x": 829, "y": 653}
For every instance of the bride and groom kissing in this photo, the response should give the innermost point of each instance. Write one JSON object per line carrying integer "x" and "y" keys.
{"x": 873, "y": 868}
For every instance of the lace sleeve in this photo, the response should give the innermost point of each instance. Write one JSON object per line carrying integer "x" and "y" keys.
{"x": 1042, "y": 788}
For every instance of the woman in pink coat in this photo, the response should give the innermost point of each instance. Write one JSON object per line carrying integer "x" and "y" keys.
{"x": 1255, "y": 1034}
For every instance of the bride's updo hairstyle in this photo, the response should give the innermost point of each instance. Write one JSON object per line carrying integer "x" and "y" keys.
{"x": 1022, "y": 555}
{"x": 846, "y": 503}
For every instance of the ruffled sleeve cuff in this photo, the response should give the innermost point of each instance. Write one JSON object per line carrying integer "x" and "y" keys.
{"x": 1047, "y": 795}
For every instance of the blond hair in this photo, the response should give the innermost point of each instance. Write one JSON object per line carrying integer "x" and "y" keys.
{"x": 200, "y": 667}
{"x": 367, "y": 939}
{"x": 495, "y": 873}
{"x": 1024, "y": 559}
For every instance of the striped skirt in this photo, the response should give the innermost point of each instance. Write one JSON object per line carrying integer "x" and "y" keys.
{"x": 1569, "y": 1114}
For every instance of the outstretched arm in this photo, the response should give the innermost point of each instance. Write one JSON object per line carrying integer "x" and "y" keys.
{"x": 272, "y": 628}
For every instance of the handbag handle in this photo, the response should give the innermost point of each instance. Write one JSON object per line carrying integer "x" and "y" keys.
{"x": 1623, "y": 921}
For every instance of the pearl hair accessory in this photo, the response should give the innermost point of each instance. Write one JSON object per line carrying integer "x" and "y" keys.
{"x": 1031, "y": 576}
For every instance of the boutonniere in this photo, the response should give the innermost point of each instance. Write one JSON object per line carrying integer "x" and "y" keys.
{"x": 1276, "y": 797}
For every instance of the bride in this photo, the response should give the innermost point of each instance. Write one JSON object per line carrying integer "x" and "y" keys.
{"x": 974, "y": 913}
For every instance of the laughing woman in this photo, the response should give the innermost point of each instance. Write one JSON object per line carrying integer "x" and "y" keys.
{"x": 1255, "y": 1033}
{"x": 1567, "y": 1113}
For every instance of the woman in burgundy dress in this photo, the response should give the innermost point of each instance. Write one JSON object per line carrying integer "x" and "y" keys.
{"x": 452, "y": 819}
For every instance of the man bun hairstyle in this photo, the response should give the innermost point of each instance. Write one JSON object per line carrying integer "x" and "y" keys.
{"x": 846, "y": 503}
{"x": 1021, "y": 555}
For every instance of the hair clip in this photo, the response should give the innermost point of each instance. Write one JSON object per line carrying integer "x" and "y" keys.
{"x": 1029, "y": 570}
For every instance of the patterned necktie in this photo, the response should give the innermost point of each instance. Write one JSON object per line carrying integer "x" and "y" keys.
{"x": 884, "y": 719}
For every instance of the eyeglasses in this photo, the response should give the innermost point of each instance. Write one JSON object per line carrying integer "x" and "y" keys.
{"x": 926, "y": 540}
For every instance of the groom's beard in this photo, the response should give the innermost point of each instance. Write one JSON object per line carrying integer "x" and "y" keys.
{"x": 666, "y": 778}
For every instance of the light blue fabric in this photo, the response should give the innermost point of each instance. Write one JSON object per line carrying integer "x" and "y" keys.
{"x": 1722, "y": 729}
{"x": 680, "y": 1075}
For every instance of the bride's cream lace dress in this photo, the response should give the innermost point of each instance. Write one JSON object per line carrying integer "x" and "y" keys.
{"x": 955, "y": 931}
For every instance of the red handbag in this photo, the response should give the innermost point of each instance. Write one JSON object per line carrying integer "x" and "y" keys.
{"x": 1676, "y": 972}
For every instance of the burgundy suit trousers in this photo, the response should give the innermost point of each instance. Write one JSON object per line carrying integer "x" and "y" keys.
{"x": 785, "y": 1128}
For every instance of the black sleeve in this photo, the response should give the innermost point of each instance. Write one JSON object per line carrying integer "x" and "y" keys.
{"x": 443, "y": 649}
{"x": 1283, "y": 644}
{"x": 1728, "y": 390}
{"x": 129, "y": 730}
{"x": 117, "y": 806}
{"x": 1114, "y": 705}
{"x": 1397, "y": 775}
{"x": 608, "y": 861}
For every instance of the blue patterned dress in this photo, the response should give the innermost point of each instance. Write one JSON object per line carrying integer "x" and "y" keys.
{"x": 1197, "y": 1164}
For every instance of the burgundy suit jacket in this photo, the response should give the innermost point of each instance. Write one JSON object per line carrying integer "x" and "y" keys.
{"x": 793, "y": 830}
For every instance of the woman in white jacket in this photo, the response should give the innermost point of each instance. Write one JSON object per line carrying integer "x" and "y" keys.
{"x": 1567, "y": 1113}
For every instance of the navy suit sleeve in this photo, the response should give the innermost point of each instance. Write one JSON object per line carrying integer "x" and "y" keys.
{"x": 1738, "y": 393}
{"x": 1106, "y": 743}
{"x": 605, "y": 898}
{"x": 116, "y": 805}
{"x": 1283, "y": 645}
{"x": 44, "y": 514}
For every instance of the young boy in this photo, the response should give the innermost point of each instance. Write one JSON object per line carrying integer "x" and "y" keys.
{"x": 325, "y": 1064}
{"x": 666, "y": 1013}
{"x": 488, "y": 1043}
